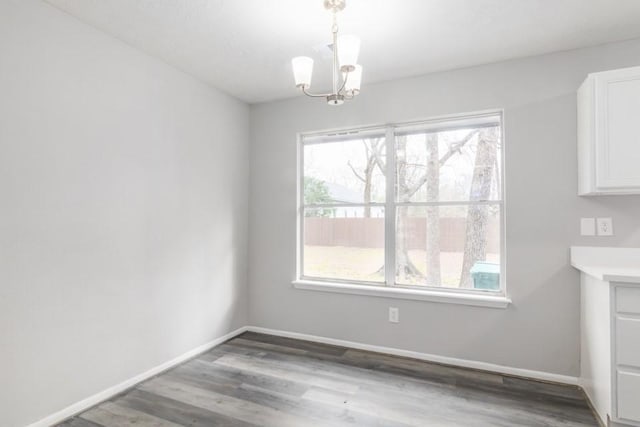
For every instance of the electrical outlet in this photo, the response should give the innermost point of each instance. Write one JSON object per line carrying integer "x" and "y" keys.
{"x": 605, "y": 226}
{"x": 394, "y": 315}
{"x": 587, "y": 226}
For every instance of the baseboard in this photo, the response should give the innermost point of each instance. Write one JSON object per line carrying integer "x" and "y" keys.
{"x": 471, "y": 364}
{"x": 601, "y": 422}
{"x": 84, "y": 404}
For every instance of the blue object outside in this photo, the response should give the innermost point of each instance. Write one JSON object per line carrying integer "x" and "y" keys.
{"x": 486, "y": 275}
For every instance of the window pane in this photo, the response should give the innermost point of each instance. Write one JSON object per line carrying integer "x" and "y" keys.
{"x": 344, "y": 243}
{"x": 449, "y": 165}
{"x": 349, "y": 171}
{"x": 449, "y": 246}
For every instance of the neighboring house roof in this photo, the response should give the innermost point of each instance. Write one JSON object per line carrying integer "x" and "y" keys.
{"x": 341, "y": 194}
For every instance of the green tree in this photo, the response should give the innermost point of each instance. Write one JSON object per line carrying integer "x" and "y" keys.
{"x": 316, "y": 192}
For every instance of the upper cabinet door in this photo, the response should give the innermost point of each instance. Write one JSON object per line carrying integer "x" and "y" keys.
{"x": 609, "y": 132}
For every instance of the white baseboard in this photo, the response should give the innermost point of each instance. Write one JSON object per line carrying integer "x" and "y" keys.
{"x": 602, "y": 421}
{"x": 84, "y": 404}
{"x": 90, "y": 401}
{"x": 483, "y": 366}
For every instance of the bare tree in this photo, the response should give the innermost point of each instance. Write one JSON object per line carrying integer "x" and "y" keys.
{"x": 408, "y": 186}
{"x": 410, "y": 179}
{"x": 405, "y": 269}
{"x": 433, "y": 212}
{"x": 475, "y": 247}
{"x": 373, "y": 148}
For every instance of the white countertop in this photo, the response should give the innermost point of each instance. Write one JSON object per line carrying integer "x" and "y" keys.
{"x": 608, "y": 264}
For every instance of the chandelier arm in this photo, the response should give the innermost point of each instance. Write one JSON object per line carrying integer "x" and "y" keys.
{"x": 313, "y": 95}
{"x": 344, "y": 82}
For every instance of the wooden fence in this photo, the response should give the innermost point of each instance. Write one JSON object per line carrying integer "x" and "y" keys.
{"x": 369, "y": 233}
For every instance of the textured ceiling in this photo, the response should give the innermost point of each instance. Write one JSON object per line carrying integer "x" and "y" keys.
{"x": 244, "y": 47}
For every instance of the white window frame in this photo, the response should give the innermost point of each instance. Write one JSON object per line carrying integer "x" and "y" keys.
{"x": 389, "y": 288}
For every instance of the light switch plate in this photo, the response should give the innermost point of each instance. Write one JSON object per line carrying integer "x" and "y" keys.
{"x": 605, "y": 226}
{"x": 587, "y": 226}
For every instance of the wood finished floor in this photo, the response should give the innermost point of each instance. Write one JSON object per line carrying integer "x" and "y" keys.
{"x": 263, "y": 380}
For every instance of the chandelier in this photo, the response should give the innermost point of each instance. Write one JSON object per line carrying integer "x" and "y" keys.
{"x": 347, "y": 74}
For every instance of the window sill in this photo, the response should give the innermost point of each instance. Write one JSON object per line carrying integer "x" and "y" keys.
{"x": 490, "y": 301}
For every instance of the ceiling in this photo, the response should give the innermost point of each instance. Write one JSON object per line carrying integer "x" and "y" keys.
{"x": 244, "y": 47}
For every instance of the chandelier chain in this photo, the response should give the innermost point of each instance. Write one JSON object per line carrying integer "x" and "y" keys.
{"x": 334, "y": 30}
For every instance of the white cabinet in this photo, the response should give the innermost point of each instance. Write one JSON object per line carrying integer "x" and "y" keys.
{"x": 610, "y": 352}
{"x": 610, "y": 332}
{"x": 608, "y": 133}
{"x": 626, "y": 336}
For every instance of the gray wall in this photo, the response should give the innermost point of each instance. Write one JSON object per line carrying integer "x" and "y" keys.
{"x": 123, "y": 212}
{"x": 540, "y": 330}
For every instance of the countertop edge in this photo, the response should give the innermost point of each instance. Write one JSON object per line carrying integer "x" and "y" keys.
{"x": 607, "y": 274}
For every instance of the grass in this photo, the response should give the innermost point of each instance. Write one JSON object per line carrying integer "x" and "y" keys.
{"x": 340, "y": 262}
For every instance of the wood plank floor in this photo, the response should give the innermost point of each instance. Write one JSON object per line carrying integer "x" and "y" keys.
{"x": 263, "y": 380}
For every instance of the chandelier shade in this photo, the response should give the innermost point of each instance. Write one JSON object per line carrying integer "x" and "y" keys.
{"x": 348, "y": 50}
{"x": 302, "y": 71}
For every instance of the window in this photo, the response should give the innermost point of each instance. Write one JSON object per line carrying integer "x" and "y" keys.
{"x": 410, "y": 205}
